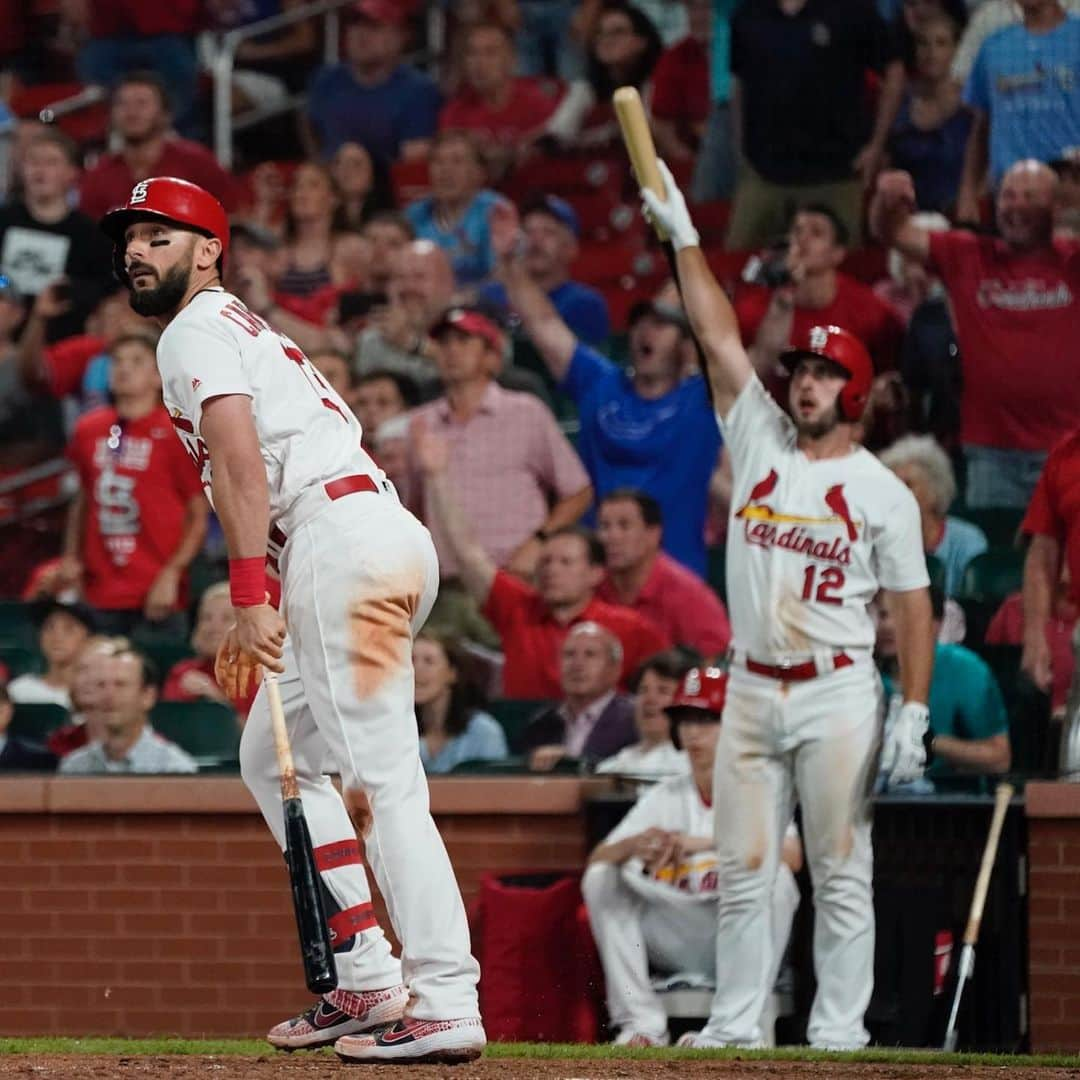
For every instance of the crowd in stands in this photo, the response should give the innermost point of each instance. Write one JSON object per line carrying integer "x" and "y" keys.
{"x": 451, "y": 235}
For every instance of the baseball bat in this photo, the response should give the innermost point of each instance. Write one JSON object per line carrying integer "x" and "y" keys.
{"x": 316, "y": 949}
{"x": 1002, "y": 794}
{"x": 639, "y": 142}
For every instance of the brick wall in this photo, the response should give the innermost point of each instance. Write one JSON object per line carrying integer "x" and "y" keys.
{"x": 1054, "y": 915}
{"x": 141, "y": 907}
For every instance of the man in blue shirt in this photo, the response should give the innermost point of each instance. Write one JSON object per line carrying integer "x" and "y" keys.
{"x": 374, "y": 99}
{"x": 646, "y": 427}
{"x": 1025, "y": 91}
{"x": 551, "y": 231}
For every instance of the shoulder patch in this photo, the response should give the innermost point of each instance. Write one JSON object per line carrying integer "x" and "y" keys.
{"x": 196, "y": 383}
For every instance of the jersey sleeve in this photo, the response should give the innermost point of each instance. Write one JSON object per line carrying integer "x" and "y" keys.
{"x": 898, "y": 548}
{"x": 754, "y": 426}
{"x": 646, "y": 813}
{"x": 506, "y": 599}
{"x": 1042, "y": 517}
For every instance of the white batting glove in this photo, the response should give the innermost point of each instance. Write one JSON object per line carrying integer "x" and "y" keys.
{"x": 670, "y": 214}
{"x": 903, "y": 757}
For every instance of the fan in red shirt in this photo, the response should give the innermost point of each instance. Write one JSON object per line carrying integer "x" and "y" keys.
{"x": 140, "y": 516}
{"x": 141, "y": 119}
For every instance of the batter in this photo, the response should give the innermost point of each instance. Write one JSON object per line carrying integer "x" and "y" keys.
{"x": 279, "y": 455}
{"x": 817, "y": 527}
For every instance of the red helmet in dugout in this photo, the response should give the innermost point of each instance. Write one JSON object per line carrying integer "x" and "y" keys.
{"x": 171, "y": 201}
{"x": 700, "y": 698}
{"x": 848, "y": 353}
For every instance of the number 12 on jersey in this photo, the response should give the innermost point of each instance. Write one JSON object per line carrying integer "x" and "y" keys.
{"x": 823, "y": 584}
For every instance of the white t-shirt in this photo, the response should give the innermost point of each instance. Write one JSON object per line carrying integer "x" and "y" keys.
{"x": 810, "y": 542}
{"x": 662, "y": 760}
{"x": 34, "y": 690}
{"x": 307, "y": 434}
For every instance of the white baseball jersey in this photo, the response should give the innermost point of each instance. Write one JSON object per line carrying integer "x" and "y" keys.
{"x": 810, "y": 541}
{"x": 307, "y": 434}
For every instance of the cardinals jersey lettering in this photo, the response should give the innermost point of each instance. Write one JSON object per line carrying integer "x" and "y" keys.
{"x": 307, "y": 434}
{"x": 810, "y": 542}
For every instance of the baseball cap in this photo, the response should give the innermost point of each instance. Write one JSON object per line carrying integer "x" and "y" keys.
{"x": 470, "y": 320}
{"x": 702, "y": 690}
{"x": 76, "y": 610}
{"x": 556, "y": 208}
{"x": 668, "y": 313}
{"x": 377, "y": 11}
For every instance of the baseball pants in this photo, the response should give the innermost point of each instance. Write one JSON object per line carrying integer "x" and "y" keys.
{"x": 357, "y": 583}
{"x": 818, "y": 741}
{"x": 635, "y": 933}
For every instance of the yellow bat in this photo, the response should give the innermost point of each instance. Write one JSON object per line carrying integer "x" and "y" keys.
{"x": 639, "y": 142}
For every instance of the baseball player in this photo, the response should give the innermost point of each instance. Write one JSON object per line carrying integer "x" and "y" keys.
{"x": 651, "y": 887}
{"x": 280, "y": 456}
{"x": 817, "y": 526}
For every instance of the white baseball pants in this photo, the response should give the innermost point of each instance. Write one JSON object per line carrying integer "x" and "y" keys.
{"x": 818, "y": 741}
{"x": 358, "y": 581}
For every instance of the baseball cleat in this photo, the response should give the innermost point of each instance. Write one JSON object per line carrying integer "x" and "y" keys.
{"x": 636, "y": 1040}
{"x": 443, "y": 1042}
{"x": 341, "y": 1012}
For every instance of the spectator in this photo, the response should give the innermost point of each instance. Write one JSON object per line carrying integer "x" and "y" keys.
{"x": 1015, "y": 300}
{"x": 1024, "y": 89}
{"x": 652, "y": 885}
{"x": 126, "y": 36}
{"x": 140, "y": 516}
{"x": 388, "y": 107}
{"x": 381, "y": 395}
{"x": 453, "y": 726}
{"x": 1067, "y": 203}
{"x": 654, "y": 754}
{"x": 515, "y": 474}
{"x": 912, "y": 17}
{"x": 533, "y": 622}
{"x": 931, "y": 130}
{"x": 909, "y": 284}
{"x": 640, "y": 576}
{"x": 714, "y": 176}
{"x": 363, "y": 188}
{"x": 334, "y": 367}
{"x": 129, "y": 744}
{"x": 592, "y": 720}
{"x": 623, "y": 48}
{"x": 65, "y": 630}
{"x": 87, "y": 697}
{"x": 805, "y": 133}
{"x": 19, "y": 755}
{"x": 387, "y": 232}
{"x": 141, "y": 123}
{"x": 969, "y": 729}
{"x": 43, "y": 240}
{"x": 551, "y": 231}
{"x": 456, "y": 213}
{"x": 925, "y": 468}
{"x": 631, "y": 421}
{"x": 309, "y": 231}
{"x": 681, "y": 87}
{"x": 193, "y": 679}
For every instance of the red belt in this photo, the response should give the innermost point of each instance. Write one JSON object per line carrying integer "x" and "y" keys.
{"x": 796, "y": 672}
{"x": 335, "y": 489}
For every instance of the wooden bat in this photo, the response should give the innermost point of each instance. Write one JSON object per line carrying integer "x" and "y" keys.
{"x": 639, "y": 142}
{"x": 1002, "y": 794}
{"x": 316, "y": 948}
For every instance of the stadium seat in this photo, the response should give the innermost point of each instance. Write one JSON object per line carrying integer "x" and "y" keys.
{"x": 936, "y": 569}
{"x": 206, "y": 730}
{"x": 988, "y": 579}
{"x": 17, "y": 624}
{"x": 1001, "y": 524}
{"x": 727, "y": 266}
{"x": 20, "y": 660}
{"x": 36, "y": 722}
{"x": 567, "y": 177}
{"x": 514, "y": 715}
{"x": 165, "y": 654}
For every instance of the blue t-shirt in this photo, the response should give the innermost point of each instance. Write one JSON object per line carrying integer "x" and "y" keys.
{"x": 482, "y": 740}
{"x": 582, "y": 308}
{"x": 666, "y": 448}
{"x": 1029, "y": 86}
{"x": 960, "y": 544}
{"x": 469, "y": 244}
{"x": 380, "y": 118}
{"x": 720, "y": 51}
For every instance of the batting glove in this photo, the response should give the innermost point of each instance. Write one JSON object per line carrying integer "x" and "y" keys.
{"x": 903, "y": 758}
{"x": 670, "y": 213}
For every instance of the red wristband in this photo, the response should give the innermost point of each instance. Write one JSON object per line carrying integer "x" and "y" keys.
{"x": 247, "y": 582}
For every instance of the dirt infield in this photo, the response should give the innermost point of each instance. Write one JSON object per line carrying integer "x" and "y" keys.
{"x": 324, "y": 1067}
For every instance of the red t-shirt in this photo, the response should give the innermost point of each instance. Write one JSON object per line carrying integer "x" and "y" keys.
{"x": 532, "y": 639}
{"x": 1054, "y": 509}
{"x": 174, "y": 691}
{"x": 122, "y": 18}
{"x": 1016, "y": 317}
{"x": 530, "y": 104}
{"x": 67, "y": 360}
{"x": 108, "y": 184}
{"x": 136, "y": 501}
{"x": 681, "y": 84}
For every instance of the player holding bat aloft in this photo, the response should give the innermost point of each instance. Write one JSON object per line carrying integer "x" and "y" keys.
{"x": 817, "y": 527}
{"x": 279, "y": 452}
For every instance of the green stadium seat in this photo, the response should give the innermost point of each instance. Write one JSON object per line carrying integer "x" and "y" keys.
{"x": 936, "y": 569}
{"x": 37, "y": 722}
{"x": 993, "y": 575}
{"x": 165, "y": 654}
{"x": 207, "y": 730}
{"x": 514, "y": 715}
{"x": 17, "y": 624}
{"x": 21, "y": 659}
{"x": 1001, "y": 524}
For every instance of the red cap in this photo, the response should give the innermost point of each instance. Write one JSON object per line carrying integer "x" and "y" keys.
{"x": 469, "y": 321}
{"x": 378, "y": 11}
{"x": 847, "y": 352}
{"x": 702, "y": 688}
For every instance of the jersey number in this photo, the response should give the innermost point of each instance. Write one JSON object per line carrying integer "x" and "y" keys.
{"x": 312, "y": 376}
{"x": 829, "y": 582}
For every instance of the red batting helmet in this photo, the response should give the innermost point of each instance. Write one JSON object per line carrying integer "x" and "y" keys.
{"x": 171, "y": 200}
{"x": 848, "y": 353}
{"x": 703, "y": 689}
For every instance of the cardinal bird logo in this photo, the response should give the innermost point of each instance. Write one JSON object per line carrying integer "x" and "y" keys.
{"x": 835, "y": 501}
{"x": 764, "y": 488}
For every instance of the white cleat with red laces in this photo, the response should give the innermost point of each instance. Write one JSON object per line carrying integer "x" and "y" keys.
{"x": 341, "y": 1012}
{"x": 445, "y": 1042}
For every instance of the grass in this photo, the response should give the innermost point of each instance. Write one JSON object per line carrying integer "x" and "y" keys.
{"x": 559, "y": 1051}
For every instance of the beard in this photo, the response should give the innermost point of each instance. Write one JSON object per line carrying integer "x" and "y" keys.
{"x": 164, "y": 297}
{"x": 818, "y": 429}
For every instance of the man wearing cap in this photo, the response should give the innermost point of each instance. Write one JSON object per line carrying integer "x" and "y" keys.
{"x": 551, "y": 230}
{"x": 652, "y": 887}
{"x": 817, "y": 526}
{"x": 65, "y": 629}
{"x": 646, "y": 427}
{"x": 389, "y": 107}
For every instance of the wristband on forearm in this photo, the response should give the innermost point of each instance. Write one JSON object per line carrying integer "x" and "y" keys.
{"x": 247, "y": 582}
